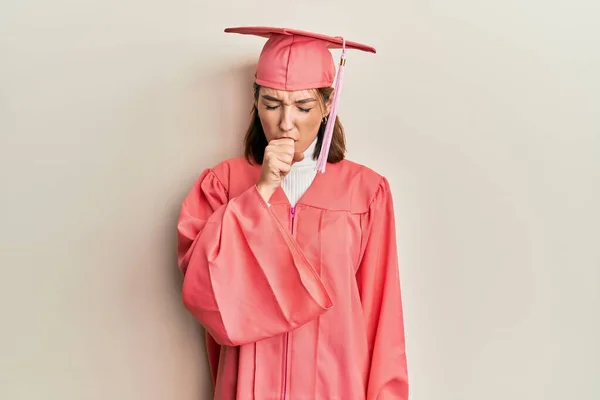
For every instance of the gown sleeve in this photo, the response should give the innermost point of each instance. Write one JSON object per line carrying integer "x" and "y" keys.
{"x": 379, "y": 288}
{"x": 245, "y": 278}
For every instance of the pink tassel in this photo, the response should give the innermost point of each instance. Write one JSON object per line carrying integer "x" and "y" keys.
{"x": 328, "y": 135}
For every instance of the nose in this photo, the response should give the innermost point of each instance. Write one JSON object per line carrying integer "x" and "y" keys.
{"x": 286, "y": 123}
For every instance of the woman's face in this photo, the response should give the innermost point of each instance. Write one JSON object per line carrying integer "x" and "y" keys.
{"x": 291, "y": 114}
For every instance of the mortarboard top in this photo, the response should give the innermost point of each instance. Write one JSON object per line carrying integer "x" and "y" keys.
{"x": 292, "y": 59}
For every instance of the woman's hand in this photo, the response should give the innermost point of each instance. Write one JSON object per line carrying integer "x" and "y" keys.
{"x": 277, "y": 162}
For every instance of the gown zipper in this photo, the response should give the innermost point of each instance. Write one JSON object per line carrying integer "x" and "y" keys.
{"x": 287, "y": 335}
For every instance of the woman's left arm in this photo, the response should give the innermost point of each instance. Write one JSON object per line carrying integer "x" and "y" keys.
{"x": 379, "y": 286}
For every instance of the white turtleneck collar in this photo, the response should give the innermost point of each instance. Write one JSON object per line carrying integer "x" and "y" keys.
{"x": 300, "y": 177}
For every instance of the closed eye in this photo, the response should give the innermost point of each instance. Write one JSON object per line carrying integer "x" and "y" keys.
{"x": 298, "y": 103}
{"x": 304, "y": 110}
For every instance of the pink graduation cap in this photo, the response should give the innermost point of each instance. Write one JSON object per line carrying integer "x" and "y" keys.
{"x": 297, "y": 60}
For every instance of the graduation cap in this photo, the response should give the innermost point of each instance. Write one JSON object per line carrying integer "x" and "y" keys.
{"x": 292, "y": 59}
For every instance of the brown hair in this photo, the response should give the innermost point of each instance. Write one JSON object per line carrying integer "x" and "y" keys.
{"x": 255, "y": 140}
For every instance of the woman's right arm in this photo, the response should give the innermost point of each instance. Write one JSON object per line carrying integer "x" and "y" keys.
{"x": 245, "y": 278}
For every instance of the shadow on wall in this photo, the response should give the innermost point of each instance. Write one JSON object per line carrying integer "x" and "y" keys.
{"x": 230, "y": 94}
{"x": 234, "y": 105}
{"x": 221, "y": 105}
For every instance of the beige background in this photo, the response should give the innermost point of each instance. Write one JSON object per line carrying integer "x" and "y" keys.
{"x": 484, "y": 115}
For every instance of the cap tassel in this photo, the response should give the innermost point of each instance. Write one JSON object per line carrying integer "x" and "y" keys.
{"x": 328, "y": 135}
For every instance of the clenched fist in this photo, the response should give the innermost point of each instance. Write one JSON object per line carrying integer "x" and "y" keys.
{"x": 279, "y": 156}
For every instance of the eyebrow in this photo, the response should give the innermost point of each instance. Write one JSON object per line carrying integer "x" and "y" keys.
{"x": 303, "y": 101}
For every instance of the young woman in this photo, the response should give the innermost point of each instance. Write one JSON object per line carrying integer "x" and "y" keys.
{"x": 289, "y": 253}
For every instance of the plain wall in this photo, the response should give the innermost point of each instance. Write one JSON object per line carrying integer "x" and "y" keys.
{"x": 485, "y": 117}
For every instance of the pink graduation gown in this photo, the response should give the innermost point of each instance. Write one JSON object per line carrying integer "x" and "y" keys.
{"x": 298, "y": 303}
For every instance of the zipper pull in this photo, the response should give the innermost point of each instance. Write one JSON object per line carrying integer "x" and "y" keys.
{"x": 293, "y": 214}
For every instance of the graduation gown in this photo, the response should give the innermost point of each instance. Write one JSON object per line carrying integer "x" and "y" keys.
{"x": 298, "y": 303}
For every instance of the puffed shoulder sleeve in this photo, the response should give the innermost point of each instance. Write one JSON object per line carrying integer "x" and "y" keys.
{"x": 245, "y": 277}
{"x": 379, "y": 287}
